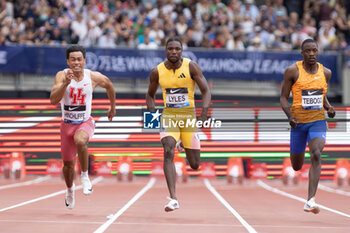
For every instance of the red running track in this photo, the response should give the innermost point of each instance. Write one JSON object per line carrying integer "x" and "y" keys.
{"x": 259, "y": 209}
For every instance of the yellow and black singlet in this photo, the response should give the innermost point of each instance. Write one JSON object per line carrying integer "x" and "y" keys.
{"x": 178, "y": 87}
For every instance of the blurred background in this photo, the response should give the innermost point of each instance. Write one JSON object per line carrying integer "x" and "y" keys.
{"x": 242, "y": 46}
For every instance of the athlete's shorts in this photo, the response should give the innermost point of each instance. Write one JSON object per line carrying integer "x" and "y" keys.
{"x": 68, "y": 147}
{"x": 187, "y": 131}
{"x": 304, "y": 133}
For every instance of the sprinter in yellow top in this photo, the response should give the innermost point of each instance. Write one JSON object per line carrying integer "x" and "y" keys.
{"x": 177, "y": 77}
{"x": 177, "y": 85}
{"x": 307, "y": 80}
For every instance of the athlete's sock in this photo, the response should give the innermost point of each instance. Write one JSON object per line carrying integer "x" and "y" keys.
{"x": 84, "y": 174}
{"x": 71, "y": 189}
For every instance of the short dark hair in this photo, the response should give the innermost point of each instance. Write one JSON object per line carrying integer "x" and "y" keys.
{"x": 308, "y": 41}
{"x": 173, "y": 39}
{"x": 75, "y": 48}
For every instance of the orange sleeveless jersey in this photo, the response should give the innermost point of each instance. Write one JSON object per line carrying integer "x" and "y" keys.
{"x": 308, "y": 95}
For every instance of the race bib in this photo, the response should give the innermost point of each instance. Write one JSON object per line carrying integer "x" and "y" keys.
{"x": 312, "y": 99}
{"x": 74, "y": 113}
{"x": 177, "y": 97}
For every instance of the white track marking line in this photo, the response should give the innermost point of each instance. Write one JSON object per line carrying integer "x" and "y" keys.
{"x": 94, "y": 181}
{"x": 104, "y": 226}
{"x": 228, "y": 206}
{"x": 38, "y": 180}
{"x": 332, "y": 190}
{"x": 275, "y": 190}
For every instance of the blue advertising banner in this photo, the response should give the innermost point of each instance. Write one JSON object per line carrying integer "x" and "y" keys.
{"x": 129, "y": 63}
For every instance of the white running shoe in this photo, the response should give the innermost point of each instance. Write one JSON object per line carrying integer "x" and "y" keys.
{"x": 179, "y": 146}
{"x": 311, "y": 206}
{"x": 172, "y": 205}
{"x": 69, "y": 199}
{"x": 87, "y": 186}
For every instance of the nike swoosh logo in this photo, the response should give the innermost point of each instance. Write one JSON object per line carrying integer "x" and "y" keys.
{"x": 72, "y": 108}
{"x": 90, "y": 189}
{"x": 317, "y": 77}
{"x": 311, "y": 92}
{"x": 65, "y": 201}
{"x": 174, "y": 91}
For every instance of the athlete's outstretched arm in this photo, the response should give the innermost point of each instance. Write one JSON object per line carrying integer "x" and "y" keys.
{"x": 327, "y": 106}
{"x": 62, "y": 80}
{"x": 152, "y": 89}
{"x": 104, "y": 82}
{"x": 197, "y": 75}
{"x": 285, "y": 92}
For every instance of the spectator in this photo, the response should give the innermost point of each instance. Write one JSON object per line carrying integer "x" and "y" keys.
{"x": 250, "y": 10}
{"x": 238, "y": 43}
{"x": 11, "y": 37}
{"x": 147, "y": 44}
{"x": 55, "y": 37}
{"x": 79, "y": 30}
{"x": 107, "y": 40}
{"x": 256, "y": 45}
{"x": 94, "y": 32}
{"x": 266, "y": 34}
{"x": 41, "y": 37}
{"x": 206, "y": 43}
{"x": 156, "y": 33}
{"x": 181, "y": 26}
{"x": 298, "y": 37}
{"x": 122, "y": 28}
{"x": 280, "y": 10}
{"x": 326, "y": 34}
{"x": 201, "y": 23}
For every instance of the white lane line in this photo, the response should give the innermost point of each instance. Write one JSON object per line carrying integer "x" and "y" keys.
{"x": 332, "y": 190}
{"x": 228, "y": 206}
{"x": 38, "y": 180}
{"x": 104, "y": 226}
{"x": 275, "y": 190}
{"x": 94, "y": 181}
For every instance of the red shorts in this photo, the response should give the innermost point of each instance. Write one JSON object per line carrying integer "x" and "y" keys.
{"x": 68, "y": 147}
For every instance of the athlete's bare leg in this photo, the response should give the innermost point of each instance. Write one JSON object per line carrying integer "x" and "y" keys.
{"x": 169, "y": 167}
{"x": 193, "y": 157}
{"x": 81, "y": 139}
{"x": 316, "y": 146}
{"x": 297, "y": 160}
{"x": 68, "y": 172}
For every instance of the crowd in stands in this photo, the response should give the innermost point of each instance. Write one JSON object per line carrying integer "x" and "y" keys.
{"x": 251, "y": 25}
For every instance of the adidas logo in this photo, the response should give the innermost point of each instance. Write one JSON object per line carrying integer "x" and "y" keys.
{"x": 182, "y": 76}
